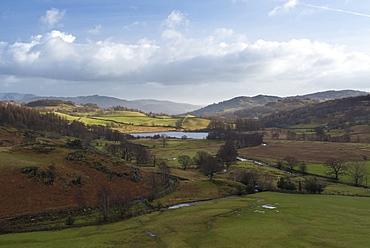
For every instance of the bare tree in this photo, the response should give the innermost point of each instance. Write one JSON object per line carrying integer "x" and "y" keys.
{"x": 357, "y": 171}
{"x": 185, "y": 161}
{"x": 122, "y": 203}
{"x": 336, "y": 166}
{"x": 291, "y": 162}
{"x": 200, "y": 158}
{"x": 104, "y": 201}
{"x": 165, "y": 170}
{"x": 210, "y": 166}
{"x": 228, "y": 153}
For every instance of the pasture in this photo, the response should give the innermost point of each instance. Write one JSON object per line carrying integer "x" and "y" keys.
{"x": 131, "y": 122}
{"x": 259, "y": 220}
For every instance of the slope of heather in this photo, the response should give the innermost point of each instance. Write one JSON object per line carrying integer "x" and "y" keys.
{"x": 34, "y": 182}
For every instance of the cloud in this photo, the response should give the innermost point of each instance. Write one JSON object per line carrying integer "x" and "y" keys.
{"x": 224, "y": 62}
{"x": 96, "y": 30}
{"x": 291, "y": 4}
{"x": 134, "y": 24}
{"x": 284, "y": 8}
{"x": 175, "y": 20}
{"x": 337, "y": 10}
{"x": 52, "y": 18}
{"x": 223, "y": 56}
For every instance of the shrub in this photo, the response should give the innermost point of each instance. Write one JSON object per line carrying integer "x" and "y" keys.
{"x": 286, "y": 184}
{"x": 70, "y": 221}
{"x": 313, "y": 185}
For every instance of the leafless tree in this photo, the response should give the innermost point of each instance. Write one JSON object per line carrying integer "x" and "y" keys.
{"x": 357, "y": 171}
{"x": 335, "y": 166}
{"x": 122, "y": 203}
{"x": 104, "y": 201}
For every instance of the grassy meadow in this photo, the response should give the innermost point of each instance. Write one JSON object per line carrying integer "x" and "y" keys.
{"x": 136, "y": 122}
{"x": 259, "y": 220}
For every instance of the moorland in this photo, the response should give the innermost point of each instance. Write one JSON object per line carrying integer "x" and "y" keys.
{"x": 75, "y": 175}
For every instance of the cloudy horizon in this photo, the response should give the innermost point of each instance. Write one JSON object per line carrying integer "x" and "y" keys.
{"x": 190, "y": 52}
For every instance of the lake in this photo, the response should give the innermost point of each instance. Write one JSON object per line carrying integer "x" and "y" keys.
{"x": 189, "y": 135}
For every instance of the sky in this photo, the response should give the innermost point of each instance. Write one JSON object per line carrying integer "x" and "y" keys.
{"x": 192, "y": 51}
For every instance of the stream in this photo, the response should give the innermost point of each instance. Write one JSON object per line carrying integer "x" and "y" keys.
{"x": 196, "y": 202}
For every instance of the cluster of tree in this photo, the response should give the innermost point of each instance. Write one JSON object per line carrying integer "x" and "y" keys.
{"x": 311, "y": 185}
{"x": 241, "y": 139}
{"x": 319, "y": 135}
{"x": 247, "y": 124}
{"x": 219, "y": 124}
{"x": 352, "y": 108}
{"x": 357, "y": 171}
{"x": 25, "y": 118}
{"x": 226, "y": 155}
{"x": 250, "y": 178}
{"x": 88, "y": 107}
{"x": 48, "y": 103}
{"x": 120, "y": 202}
{"x": 129, "y": 152}
{"x": 238, "y": 124}
{"x": 207, "y": 164}
{"x": 122, "y": 108}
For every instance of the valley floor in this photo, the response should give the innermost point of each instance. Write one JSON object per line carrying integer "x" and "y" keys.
{"x": 260, "y": 220}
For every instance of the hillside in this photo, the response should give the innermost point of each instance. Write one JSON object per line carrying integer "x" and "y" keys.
{"x": 328, "y": 113}
{"x": 155, "y": 106}
{"x": 242, "y": 103}
{"x": 52, "y": 177}
{"x": 123, "y": 119}
{"x": 331, "y": 95}
{"x": 271, "y": 107}
{"x": 234, "y": 104}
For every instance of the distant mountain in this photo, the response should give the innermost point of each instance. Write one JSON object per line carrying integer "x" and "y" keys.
{"x": 154, "y": 106}
{"x": 332, "y": 94}
{"x": 242, "y": 102}
{"x": 331, "y": 113}
{"x": 272, "y": 107}
{"x": 235, "y": 104}
{"x": 15, "y": 96}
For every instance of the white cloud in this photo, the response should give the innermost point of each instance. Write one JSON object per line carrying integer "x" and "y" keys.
{"x": 220, "y": 57}
{"x": 134, "y": 24}
{"x": 284, "y": 8}
{"x": 96, "y": 30}
{"x": 176, "y": 19}
{"x": 222, "y": 62}
{"x": 52, "y": 18}
{"x": 337, "y": 10}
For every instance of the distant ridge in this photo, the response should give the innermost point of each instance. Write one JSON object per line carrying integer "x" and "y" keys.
{"x": 332, "y": 94}
{"x": 235, "y": 104}
{"x": 244, "y": 102}
{"x": 155, "y": 106}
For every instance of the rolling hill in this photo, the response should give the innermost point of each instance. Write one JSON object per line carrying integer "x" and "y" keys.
{"x": 329, "y": 113}
{"x": 234, "y": 104}
{"x": 244, "y": 102}
{"x": 155, "y": 106}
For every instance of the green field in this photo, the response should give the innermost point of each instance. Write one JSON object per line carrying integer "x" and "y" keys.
{"x": 296, "y": 221}
{"x": 119, "y": 118}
